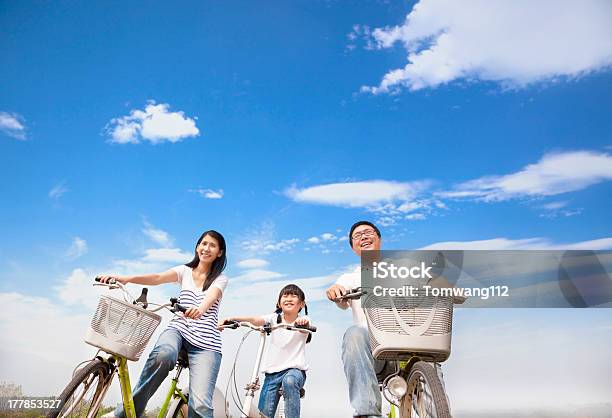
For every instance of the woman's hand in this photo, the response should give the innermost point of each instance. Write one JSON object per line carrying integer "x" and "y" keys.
{"x": 302, "y": 321}
{"x": 106, "y": 278}
{"x": 194, "y": 313}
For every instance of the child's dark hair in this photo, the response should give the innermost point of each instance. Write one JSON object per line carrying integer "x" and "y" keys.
{"x": 291, "y": 289}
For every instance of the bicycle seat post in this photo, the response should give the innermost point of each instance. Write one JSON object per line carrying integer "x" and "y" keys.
{"x": 253, "y": 384}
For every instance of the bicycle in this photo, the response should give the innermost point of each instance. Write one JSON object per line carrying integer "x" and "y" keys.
{"x": 121, "y": 329}
{"x": 253, "y": 385}
{"x": 408, "y": 380}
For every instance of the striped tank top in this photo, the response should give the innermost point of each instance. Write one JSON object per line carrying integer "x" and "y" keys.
{"x": 203, "y": 332}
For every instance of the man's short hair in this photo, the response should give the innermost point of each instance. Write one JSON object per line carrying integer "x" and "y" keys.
{"x": 356, "y": 224}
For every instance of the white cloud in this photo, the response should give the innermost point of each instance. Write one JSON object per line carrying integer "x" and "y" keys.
{"x": 256, "y": 275}
{"x": 511, "y": 42}
{"x": 554, "y": 205}
{"x": 554, "y": 174}
{"x": 263, "y": 241}
{"x": 415, "y": 217}
{"x": 208, "y": 193}
{"x": 520, "y": 244}
{"x": 157, "y": 235}
{"x": 155, "y": 124}
{"x": 314, "y": 240}
{"x": 153, "y": 260}
{"x": 253, "y": 263}
{"x": 328, "y": 237}
{"x": 364, "y": 194}
{"x": 11, "y": 124}
{"x": 77, "y": 248}
{"x": 58, "y": 191}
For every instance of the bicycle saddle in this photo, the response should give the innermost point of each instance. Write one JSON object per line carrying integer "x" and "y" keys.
{"x": 183, "y": 359}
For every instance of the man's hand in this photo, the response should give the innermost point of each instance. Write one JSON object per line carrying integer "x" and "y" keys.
{"x": 334, "y": 292}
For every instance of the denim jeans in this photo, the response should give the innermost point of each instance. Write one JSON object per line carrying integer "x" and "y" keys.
{"x": 291, "y": 380}
{"x": 359, "y": 368}
{"x": 203, "y": 370}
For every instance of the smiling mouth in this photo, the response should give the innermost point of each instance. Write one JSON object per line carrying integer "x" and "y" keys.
{"x": 366, "y": 244}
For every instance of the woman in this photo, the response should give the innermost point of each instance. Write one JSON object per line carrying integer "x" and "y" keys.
{"x": 202, "y": 286}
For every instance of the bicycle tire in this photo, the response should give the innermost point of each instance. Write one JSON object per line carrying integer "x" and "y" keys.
{"x": 78, "y": 392}
{"x": 425, "y": 397}
{"x": 178, "y": 409}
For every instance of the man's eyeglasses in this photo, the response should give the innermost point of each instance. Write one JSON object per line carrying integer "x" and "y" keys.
{"x": 357, "y": 236}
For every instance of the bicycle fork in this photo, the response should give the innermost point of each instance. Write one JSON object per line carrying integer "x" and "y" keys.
{"x": 253, "y": 385}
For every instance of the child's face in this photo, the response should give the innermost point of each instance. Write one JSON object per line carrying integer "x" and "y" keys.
{"x": 291, "y": 304}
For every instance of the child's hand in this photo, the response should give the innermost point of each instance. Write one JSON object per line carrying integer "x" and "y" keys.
{"x": 226, "y": 321}
{"x": 302, "y": 321}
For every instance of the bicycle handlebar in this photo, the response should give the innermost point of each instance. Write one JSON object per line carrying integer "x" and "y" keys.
{"x": 268, "y": 327}
{"x": 114, "y": 284}
{"x": 351, "y": 294}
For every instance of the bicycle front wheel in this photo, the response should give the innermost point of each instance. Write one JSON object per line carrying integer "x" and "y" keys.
{"x": 82, "y": 396}
{"x": 425, "y": 397}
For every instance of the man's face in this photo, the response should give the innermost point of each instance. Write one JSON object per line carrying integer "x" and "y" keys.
{"x": 365, "y": 238}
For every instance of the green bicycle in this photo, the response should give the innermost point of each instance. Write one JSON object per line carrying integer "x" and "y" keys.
{"x": 121, "y": 329}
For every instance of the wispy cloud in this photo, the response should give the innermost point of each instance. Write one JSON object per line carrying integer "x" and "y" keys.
{"x": 77, "y": 248}
{"x": 157, "y": 235}
{"x": 363, "y": 194}
{"x": 554, "y": 174}
{"x": 58, "y": 190}
{"x": 208, "y": 193}
{"x": 12, "y": 124}
{"x": 155, "y": 124}
{"x": 252, "y": 263}
{"x": 446, "y": 40}
{"x": 256, "y": 275}
{"x": 263, "y": 240}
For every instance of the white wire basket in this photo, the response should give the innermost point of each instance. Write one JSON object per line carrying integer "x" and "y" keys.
{"x": 121, "y": 328}
{"x": 401, "y": 327}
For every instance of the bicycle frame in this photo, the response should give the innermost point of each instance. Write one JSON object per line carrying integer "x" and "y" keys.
{"x": 126, "y": 388}
{"x": 253, "y": 385}
{"x": 124, "y": 374}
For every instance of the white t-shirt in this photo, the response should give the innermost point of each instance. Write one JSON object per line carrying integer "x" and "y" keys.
{"x": 284, "y": 349}
{"x": 203, "y": 332}
{"x": 350, "y": 281}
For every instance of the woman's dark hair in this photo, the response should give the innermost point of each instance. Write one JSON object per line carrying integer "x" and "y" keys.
{"x": 356, "y": 224}
{"x": 218, "y": 265}
{"x": 291, "y": 289}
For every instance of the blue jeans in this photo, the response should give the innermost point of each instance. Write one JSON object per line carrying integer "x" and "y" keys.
{"x": 291, "y": 380}
{"x": 359, "y": 368}
{"x": 203, "y": 369}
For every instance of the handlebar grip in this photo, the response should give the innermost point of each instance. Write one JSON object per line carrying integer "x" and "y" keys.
{"x": 111, "y": 281}
{"x": 180, "y": 307}
{"x": 308, "y": 327}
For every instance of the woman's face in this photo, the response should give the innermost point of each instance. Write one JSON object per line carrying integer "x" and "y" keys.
{"x": 208, "y": 249}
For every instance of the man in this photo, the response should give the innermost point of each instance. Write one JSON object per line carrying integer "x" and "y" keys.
{"x": 359, "y": 365}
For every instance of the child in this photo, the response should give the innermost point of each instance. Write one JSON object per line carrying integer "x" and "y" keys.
{"x": 285, "y": 361}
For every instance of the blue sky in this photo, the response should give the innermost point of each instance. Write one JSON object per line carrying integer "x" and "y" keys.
{"x": 282, "y": 112}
